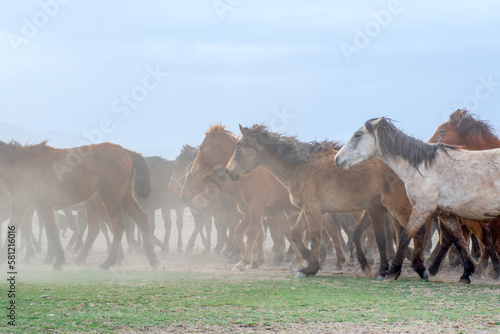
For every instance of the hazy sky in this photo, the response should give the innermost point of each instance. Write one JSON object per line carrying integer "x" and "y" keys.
{"x": 153, "y": 75}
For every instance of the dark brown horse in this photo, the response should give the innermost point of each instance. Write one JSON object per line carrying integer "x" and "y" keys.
{"x": 44, "y": 177}
{"x": 466, "y": 130}
{"x": 317, "y": 186}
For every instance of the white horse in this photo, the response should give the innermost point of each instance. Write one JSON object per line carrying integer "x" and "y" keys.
{"x": 438, "y": 178}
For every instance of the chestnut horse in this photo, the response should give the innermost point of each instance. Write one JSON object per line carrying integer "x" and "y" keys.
{"x": 438, "y": 179}
{"x": 258, "y": 195}
{"x": 44, "y": 177}
{"x": 316, "y": 186}
{"x": 202, "y": 216}
{"x": 463, "y": 129}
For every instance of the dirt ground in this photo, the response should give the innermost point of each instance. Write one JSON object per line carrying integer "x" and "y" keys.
{"x": 214, "y": 263}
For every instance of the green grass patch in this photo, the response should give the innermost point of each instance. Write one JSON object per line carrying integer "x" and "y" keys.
{"x": 103, "y": 302}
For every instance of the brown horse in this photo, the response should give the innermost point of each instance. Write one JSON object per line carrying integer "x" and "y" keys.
{"x": 44, "y": 177}
{"x": 160, "y": 172}
{"x": 202, "y": 216}
{"x": 466, "y": 130}
{"x": 317, "y": 186}
{"x": 258, "y": 195}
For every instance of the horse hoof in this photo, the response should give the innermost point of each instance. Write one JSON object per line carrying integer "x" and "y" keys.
{"x": 300, "y": 275}
{"x": 390, "y": 277}
{"x": 236, "y": 268}
{"x": 104, "y": 266}
{"x": 298, "y": 268}
{"x": 337, "y": 268}
{"x": 425, "y": 275}
{"x": 464, "y": 281}
{"x": 254, "y": 266}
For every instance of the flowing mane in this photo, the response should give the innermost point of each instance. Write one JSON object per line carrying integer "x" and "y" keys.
{"x": 396, "y": 143}
{"x": 218, "y": 128}
{"x": 13, "y": 147}
{"x": 292, "y": 150}
{"x": 473, "y": 129}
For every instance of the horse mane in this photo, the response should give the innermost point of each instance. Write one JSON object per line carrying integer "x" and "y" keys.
{"x": 471, "y": 127}
{"x": 218, "y": 128}
{"x": 187, "y": 152}
{"x": 290, "y": 148}
{"x": 394, "y": 142}
{"x": 14, "y": 147}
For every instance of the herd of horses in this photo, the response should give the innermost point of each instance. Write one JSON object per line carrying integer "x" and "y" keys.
{"x": 382, "y": 184}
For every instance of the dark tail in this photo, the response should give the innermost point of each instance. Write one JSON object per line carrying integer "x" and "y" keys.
{"x": 142, "y": 184}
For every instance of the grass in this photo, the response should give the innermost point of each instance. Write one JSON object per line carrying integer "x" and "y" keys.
{"x": 103, "y": 302}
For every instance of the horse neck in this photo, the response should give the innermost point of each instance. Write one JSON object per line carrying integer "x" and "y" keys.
{"x": 399, "y": 165}
{"x": 227, "y": 147}
{"x": 277, "y": 165}
{"x": 487, "y": 142}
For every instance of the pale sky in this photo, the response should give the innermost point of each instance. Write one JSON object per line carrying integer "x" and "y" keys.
{"x": 154, "y": 75}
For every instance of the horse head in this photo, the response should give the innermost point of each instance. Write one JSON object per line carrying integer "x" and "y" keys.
{"x": 362, "y": 146}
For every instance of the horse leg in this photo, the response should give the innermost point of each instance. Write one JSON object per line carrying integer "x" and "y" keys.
{"x": 105, "y": 227}
{"x": 117, "y": 227}
{"x": 298, "y": 236}
{"x": 167, "y": 225}
{"x": 73, "y": 226}
{"x": 476, "y": 250}
{"x": 129, "y": 204}
{"x": 27, "y": 233}
{"x": 483, "y": 234}
{"x": 419, "y": 242}
{"x": 47, "y": 214}
{"x": 331, "y": 226}
{"x": 377, "y": 216}
{"x": 389, "y": 236}
{"x": 239, "y": 234}
{"x": 82, "y": 226}
{"x": 362, "y": 225}
{"x": 221, "y": 226}
{"x": 349, "y": 230}
{"x": 199, "y": 221}
{"x": 444, "y": 244}
{"x": 254, "y": 224}
{"x": 133, "y": 246}
{"x": 208, "y": 229}
{"x": 312, "y": 215}
{"x": 259, "y": 247}
{"x": 152, "y": 226}
{"x": 92, "y": 207}
{"x": 179, "y": 221}
{"x": 278, "y": 238}
{"x": 459, "y": 242}
{"x": 416, "y": 221}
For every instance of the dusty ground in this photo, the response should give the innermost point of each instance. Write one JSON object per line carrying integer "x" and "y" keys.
{"x": 212, "y": 263}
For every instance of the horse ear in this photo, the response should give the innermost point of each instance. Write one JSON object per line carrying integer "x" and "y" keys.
{"x": 377, "y": 121}
{"x": 243, "y": 130}
{"x": 456, "y": 117}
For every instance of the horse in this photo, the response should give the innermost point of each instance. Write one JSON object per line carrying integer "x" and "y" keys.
{"x": 202, "y": 216}
{"x": 465, "y": 130}
{"x": 438, "y": 178}
{"x": 160, "y": 172}
{"x": 317, "y": 186}
{"x": 45, "y": 177}
{"x": 258, "y": 195}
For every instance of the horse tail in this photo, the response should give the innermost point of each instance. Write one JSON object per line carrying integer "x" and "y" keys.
{"x": 142, "y": 183}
